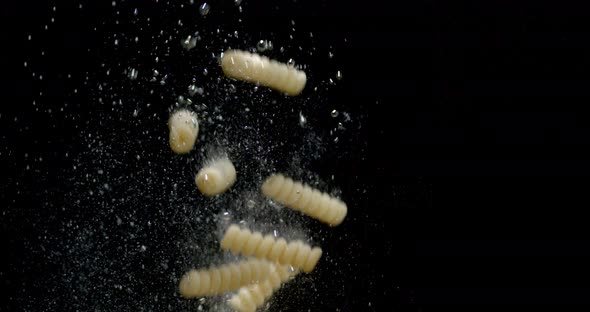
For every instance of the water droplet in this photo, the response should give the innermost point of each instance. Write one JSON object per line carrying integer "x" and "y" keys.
{"x": 339, "y": 75}
{"x": 237, "y": 2}
{"x": 204, "y": 9}
{"x": 143, "y": 248}
{"x": 264, "y": 45}
{"x": 135, "y": 12}
{"x": 291, "y": 62}
{"x": 205, "y": 72}
{"x": 192, "y": 89}
{"x": 250, "y": 204}
{"x": 114, "y": 3}
{"x": 330, "y": 55}
{"x": 135, "y": 113}
{"x": 336, "y": 140}
{"x": 132, "y": 73}
{"x": 302, "y": 120}
{"x": 334, "y": 113}
{"x": 232, "y": 88}
{"x": 189, "y": 43}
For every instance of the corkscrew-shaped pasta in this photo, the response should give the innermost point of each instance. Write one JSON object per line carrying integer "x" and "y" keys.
{"x": 216, "y": 177}
{"x": 305, "y": 199}
{"x": 296, "y": 253}
{"x": 224, "y": 278}
{"x": 258, "y": 69}
{"x": 249, "y": 298}
{"x": 184, "y": 129}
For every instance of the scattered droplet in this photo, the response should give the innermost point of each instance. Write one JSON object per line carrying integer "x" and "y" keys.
{"x": 189, "y": 43}
{"x": 192, "y": 89}
{"x": 302, "y": 120}
{"x": 334, "y": 113}
{"x": 264, "y": 45}
{"x": 132, "y": 73}
{"x": 204, "y": 9}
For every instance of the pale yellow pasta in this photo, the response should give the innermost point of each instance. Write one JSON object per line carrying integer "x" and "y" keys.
{"x": 305, "y": 199}
{"x": 296, "y": 253}
{"x": 261, "y": 70}
{"x": 250, "y": 298}
{"x": 217, "y": 177}
{"x": 224, "y": 278}
{"x": 184, "y": 128}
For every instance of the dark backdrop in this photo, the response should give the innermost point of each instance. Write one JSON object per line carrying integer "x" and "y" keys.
{"x": 469, "y": 171}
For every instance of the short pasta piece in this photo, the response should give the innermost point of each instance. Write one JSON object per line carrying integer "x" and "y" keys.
{"x": 218, "y": 176}
{"x": 259, "y": 69}
{"x": 224, "y": 278}
{"x": 250, "y": 298}
{"x": 305, "y": 199}
{"x": 296, "y": 253}
{"x": 184, "y": 128}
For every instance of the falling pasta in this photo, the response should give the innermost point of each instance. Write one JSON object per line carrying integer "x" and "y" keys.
{"x": 305, "y": 199}
{"x": 216, "y": 177}
{"x": 184, "y": 128}
{"x": 249, "y": 298}
{"x": 224, "y": 278}
{"x": 258, "y": 69}
{"x": 296, "y": 253}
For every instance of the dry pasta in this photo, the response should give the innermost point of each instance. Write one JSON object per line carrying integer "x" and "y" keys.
{"x": 216, "y": 177}
{"x": 224, "y": 278}
{"x": 249, "y": 298}
{"x": 258, "y": 69}
{"x": 184, "y": 128}
{"x": 305, "y": 199}
{"x": 296, "y": 253}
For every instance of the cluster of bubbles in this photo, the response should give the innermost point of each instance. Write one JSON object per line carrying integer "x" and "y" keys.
{"x": 146, "y": 213}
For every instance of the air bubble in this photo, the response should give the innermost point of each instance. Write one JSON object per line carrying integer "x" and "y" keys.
{"x": 204, "y": 9}
{"x": 189, "y": 43}
{"x": 302, "y": 120}
{"x": 264, "y": 45}
{"x": 192, "y": 89}
{"x": 132, "y": 74}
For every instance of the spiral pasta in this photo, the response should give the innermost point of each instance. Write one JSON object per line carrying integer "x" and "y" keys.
{"x": 184, "y": 128}
{"x": 217, "y": 177}
{"x": 224, "y": 278}
{"x": 258, "y": 69}
{"x": 249, "y": 298}
{"x": 305, "y": 199}
{"x": 296, "y": 253}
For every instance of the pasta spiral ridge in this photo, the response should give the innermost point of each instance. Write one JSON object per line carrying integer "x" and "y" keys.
{"x": 250, "y": 298}
{"x": 295, "y": 253}
{"x": 224, "y": 278}
{"x": 303, "y": 198}
{"x": 251, "y": 67}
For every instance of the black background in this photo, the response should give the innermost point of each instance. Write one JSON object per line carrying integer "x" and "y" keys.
{"x": 476, "y": 164}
